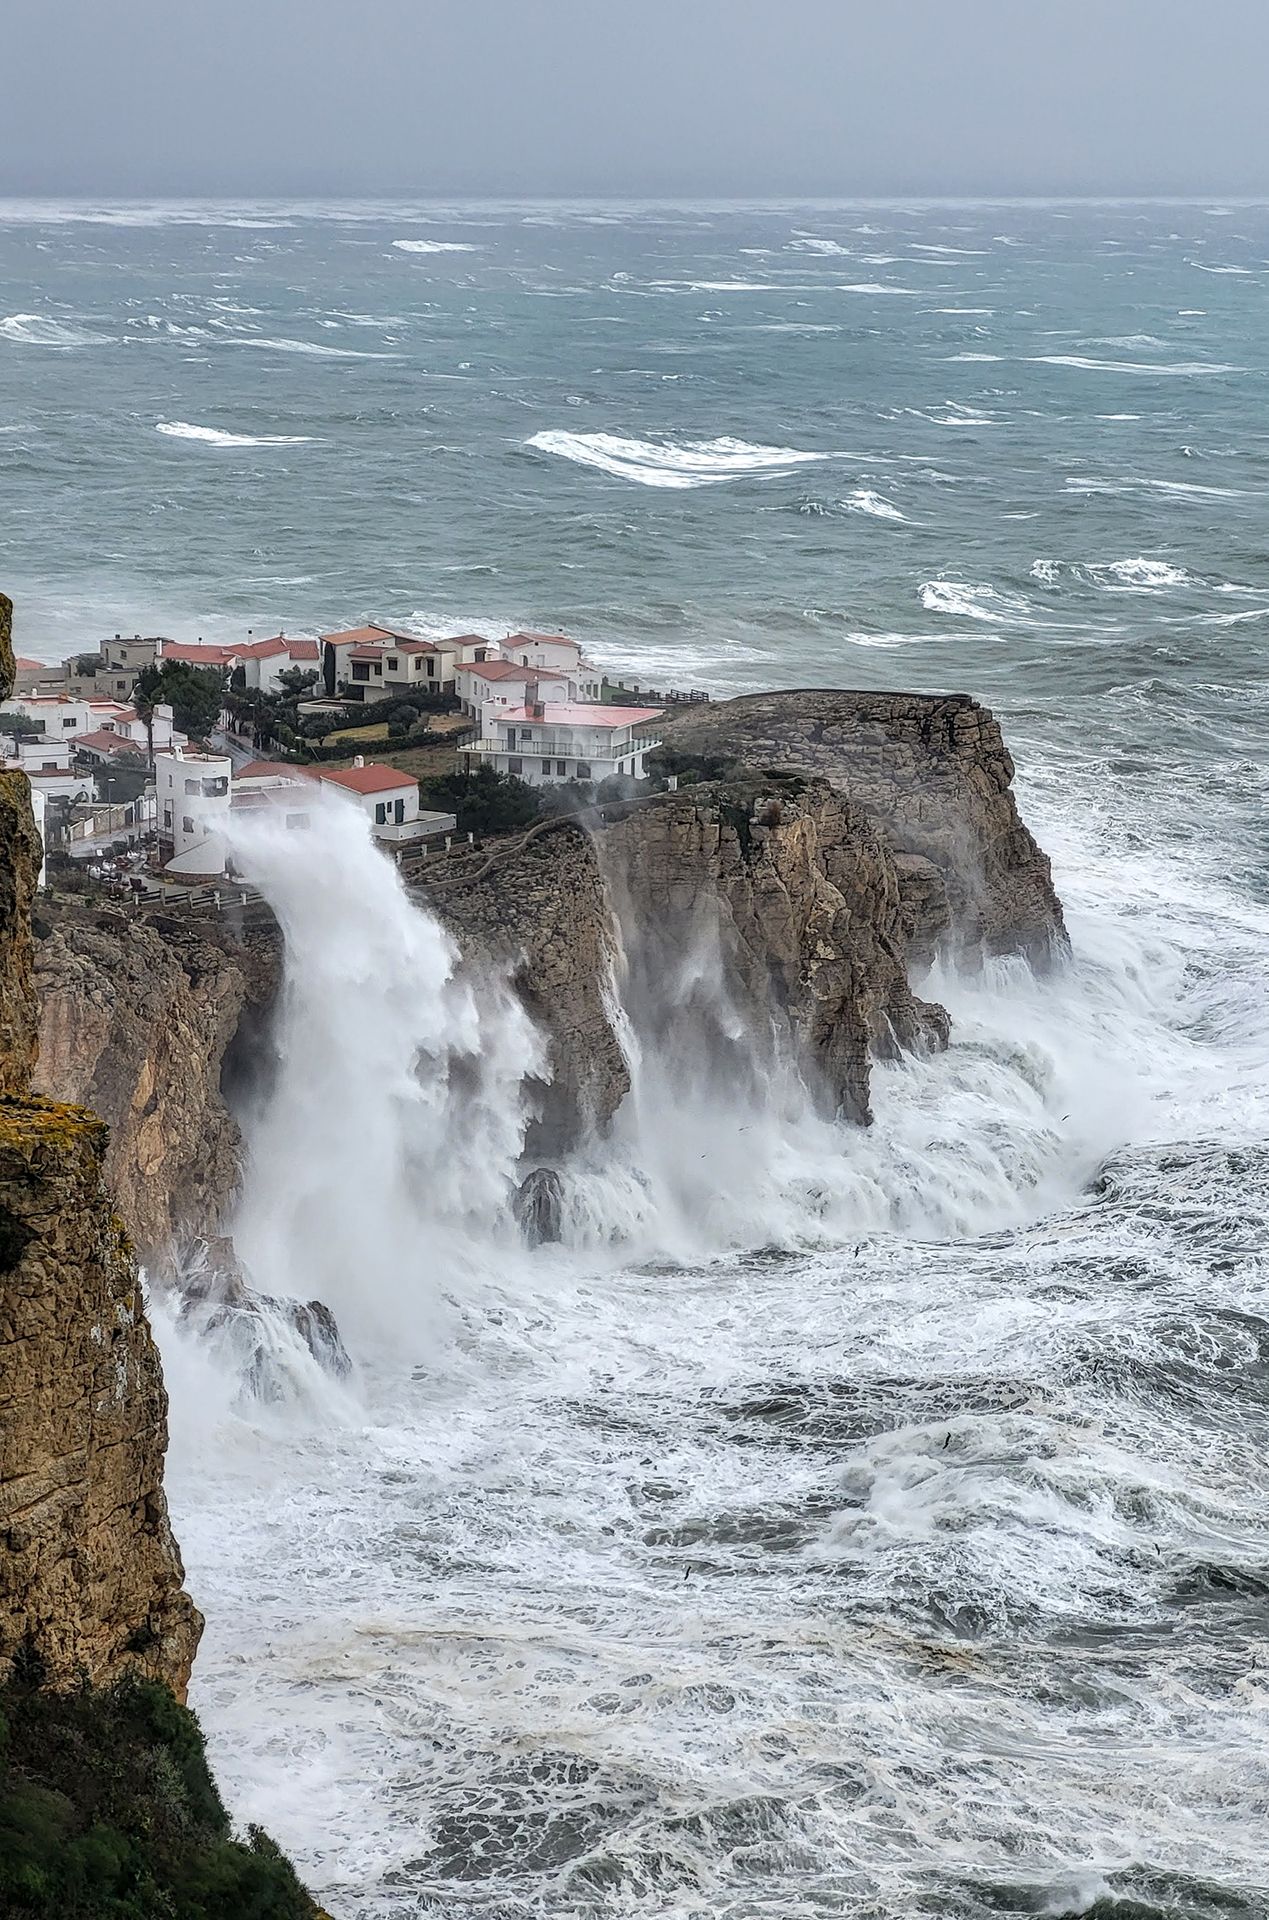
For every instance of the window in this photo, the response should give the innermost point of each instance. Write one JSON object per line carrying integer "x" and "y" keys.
{"x": 167, "y": 818}
{"x": 583, "y": 769}
{"x": 431, "y": 669}
{"x": 393, "y": 663}
{"x": 379, "y": 668}
{"x": 381, "y": 813}
{"x": 546, "y": 766}
{"x": 398, "y": 812}
{"x": 191, "y": 786}
{"x": 297, "y": 819}
{"x": 70, "y": 723}
{"x": 561, "y": 768}
{"x": 360, "y": 670}
{"x": 187, "y": 825}
{"x": 515, "y": 764}
{"x": 213, "y": 788}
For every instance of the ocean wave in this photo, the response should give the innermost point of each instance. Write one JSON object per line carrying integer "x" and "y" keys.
{"x": 311, "y": 347}
{"x": 1139, "y": 575}
{"x": 692, "y": 463}
{"x": 214, "y": 437}
{"x": 808, "y": 243}
{"x": 973, "y": 602}
{"x": 1172, "y": 368}
{"x": 436, "y": 246}
{"x": 36, "y": 330}
{"x": 873, "y": 286}
{"x": 874, "y": 504}
{"x": 951, "y": 357}
{"x": 1203, "y": 269}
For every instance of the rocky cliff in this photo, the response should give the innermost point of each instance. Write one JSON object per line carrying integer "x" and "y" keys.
{"x": 933, "y": 774}
{"x": 90, "y": 1577}
{"x": 135, "y": 1022}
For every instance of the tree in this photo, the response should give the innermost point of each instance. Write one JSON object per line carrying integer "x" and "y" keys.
{"x": 195, "y": 695}
{"x": 485, "y": 801}
{"x": 297, "y": 681}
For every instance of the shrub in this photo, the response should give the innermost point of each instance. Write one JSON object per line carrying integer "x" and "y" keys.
{"x": 484, "y": 800}
{"x": 108, "y": 1812}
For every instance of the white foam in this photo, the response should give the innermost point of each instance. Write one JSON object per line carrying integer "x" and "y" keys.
{"x": 37, "y": 330}
{"x": 1203, "y": 269}
{"x": 873, "y": 286}
{"x": 215, "y": 437}
{"x": 1140, "y": 575}
{"x": 691, "y": 463}
{"x": 974, "y": 356}
{"x": 1176, "y": 369}
{"x": 436, "y": 246}
{"x": 973, "y": 602}
{"x": 312, "y": 348}
{"x": 874, "y": 504}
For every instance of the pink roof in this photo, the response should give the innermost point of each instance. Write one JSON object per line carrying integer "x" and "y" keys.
{"x": 103, "y": 742}
{"x": 270, "y": 649}
{"x": 22, "y": 661}
{"x": 302, "y": 649}
{"x": 581, "y": 715}
{"x": 199, "y": 656}
{"x": 370, "y": 779}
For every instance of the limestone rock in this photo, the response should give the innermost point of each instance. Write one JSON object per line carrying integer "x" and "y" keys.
{"x": 90, "y": 1576}
{"x": 935, "y": 777}
{"x": 539, "y": 1206}
{"x": 135, "y": 1023}
{"x": 803, "y": 897}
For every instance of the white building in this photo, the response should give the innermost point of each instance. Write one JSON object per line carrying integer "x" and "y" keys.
{"x": 557, "y": 653}
{"x": 193, "y": 796}
{"x": 390, "y": 801}
{"x": 47, "y": 764}
{"x": 488, "y": 687}
{"x": 263, "y": 662}
{"x": 369, "y": 664}
{"x": 543, "y": 744}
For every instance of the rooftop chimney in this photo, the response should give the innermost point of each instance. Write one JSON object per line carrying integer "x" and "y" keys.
{"x": 359, "y": 760}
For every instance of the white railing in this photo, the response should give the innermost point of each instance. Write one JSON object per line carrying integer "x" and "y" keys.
{"x": 610, "y": 746}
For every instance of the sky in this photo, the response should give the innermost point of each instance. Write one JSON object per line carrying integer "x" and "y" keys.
{"x": 146, "y": 98}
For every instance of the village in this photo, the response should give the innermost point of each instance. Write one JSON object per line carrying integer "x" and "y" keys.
{"x": 141, "y": 753}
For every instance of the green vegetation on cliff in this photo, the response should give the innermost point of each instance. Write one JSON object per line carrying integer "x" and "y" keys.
{"x": 108, "y": 1812}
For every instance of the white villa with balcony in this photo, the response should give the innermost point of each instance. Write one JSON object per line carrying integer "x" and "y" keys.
{"x": 544, "y": 744}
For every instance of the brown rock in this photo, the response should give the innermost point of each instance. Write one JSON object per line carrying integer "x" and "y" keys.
{"x": 90, "y": 1576}
{"x": 935, "y": 777}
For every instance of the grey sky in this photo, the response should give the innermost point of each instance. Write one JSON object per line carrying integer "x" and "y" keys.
{"x": 149, "y": 97}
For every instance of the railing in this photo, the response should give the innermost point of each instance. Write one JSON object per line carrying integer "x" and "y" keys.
{"x": 614, "y": 744}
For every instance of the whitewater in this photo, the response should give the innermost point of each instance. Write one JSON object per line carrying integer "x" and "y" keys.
{"x": 838, "y": 1521}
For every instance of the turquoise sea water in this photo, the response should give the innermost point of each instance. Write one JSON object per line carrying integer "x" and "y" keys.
{"x": 872, "y": 1525}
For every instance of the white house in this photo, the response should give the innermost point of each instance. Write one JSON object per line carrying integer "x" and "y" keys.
{"x": 555, "y": 652}
{"x": 390, "y": 801}
{"x": 543, "y": 743}
{"x": 193, "y": 798}
{"x": 369, "y": 664}
{"x": 46, "y": 762}
{"x": 487, "y": 687}
{"x": 263, "y": 662}
{"x": 56, "y": 714}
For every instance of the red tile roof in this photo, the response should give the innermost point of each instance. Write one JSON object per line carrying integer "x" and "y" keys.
{"x": 199, "y": 656}
{"x": 508, "y": 670}
{"x": 370, "y": 779}
{"x": 279, "y": 643}
{"x": 103, "y": 742}
{"x": 550, "y": 639}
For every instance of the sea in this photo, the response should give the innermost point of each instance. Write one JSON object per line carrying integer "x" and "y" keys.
{"x": 839, "y": 1522}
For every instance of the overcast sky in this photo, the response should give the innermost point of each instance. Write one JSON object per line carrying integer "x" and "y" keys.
{"x": 744, "y": 97}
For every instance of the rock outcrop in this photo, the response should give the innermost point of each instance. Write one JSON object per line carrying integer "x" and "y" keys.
{"x": 790, "y": 891}
{"x": 538, "y": 907}
{"x": 135, "y": 1022}
{"x": 90, "y": 1577}
{"x": 933, "y": 774}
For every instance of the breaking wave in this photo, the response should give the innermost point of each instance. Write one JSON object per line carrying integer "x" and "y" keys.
{"x": 1175, "y": 369}
{"x": 690, "y": 463}
{"x": 36, "y": 330}
{"x": 436, "y": 246}
{"x": 313, "y": 348}
{"x": 971, "y": 602}
{"x": 215, "y": 437}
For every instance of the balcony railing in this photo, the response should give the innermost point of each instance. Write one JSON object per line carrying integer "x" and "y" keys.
{"x": 552, "y": 746}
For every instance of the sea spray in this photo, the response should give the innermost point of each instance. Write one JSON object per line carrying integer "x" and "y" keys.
{"x": 381, "y": 1165}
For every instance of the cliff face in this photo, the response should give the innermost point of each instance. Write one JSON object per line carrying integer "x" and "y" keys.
{"x": 90, "y": 1577}
{"x": 935, "y": 777}
{"x": 135, "y": 1024}
{"x": 799, "y": 898}
{"x": 539, "y": 908}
